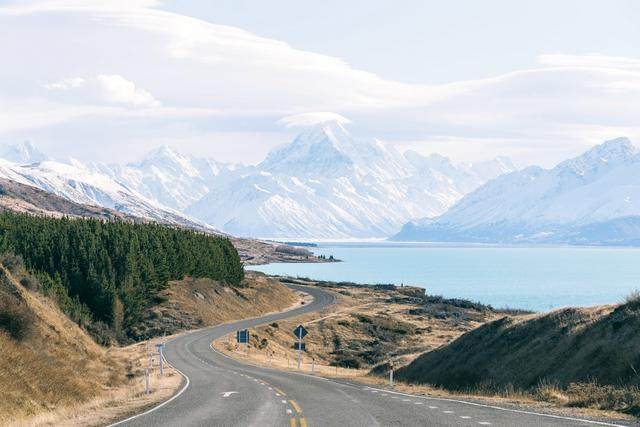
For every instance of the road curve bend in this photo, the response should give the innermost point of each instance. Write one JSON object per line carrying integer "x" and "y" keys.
{"x": 221, "y": 391}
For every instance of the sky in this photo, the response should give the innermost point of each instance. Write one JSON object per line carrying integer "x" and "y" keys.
{"x": 110, "y": 80}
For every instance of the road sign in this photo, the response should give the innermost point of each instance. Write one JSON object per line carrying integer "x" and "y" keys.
{"x": 300, "y": 345}
{"x": 300, "y": 332}
{"x": 242, "y": 336}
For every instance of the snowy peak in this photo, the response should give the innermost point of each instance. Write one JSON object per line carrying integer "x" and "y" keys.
{"x": 23, "y": 153}
{"x": 326, "y": 183}
{"x": 596, "y": 191}
{"x": 600, "y": 158}
{"x": 322, "y": 148}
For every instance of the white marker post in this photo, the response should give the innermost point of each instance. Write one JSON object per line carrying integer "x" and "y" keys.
{"x": 391, "y": 374}
{"x": 160, "y": 346}
{"x": 147, "y": 388}
{"x": 313, "y": 364}
{"x": 299, "y": 348}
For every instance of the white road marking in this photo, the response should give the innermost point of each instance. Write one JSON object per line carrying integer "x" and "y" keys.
{"x": 289, "y": 411}
{"x": 284, "y": 401}
{"x": 228, "y": 393}
{"x": 433, "y": 407}
{"x": 155, "y": 408}
{"x": 465, "y": 417}
{"x": 448, "y": 412}
{"x": 270, "y": 388}
{"x": 498, "y": 408}
{"x": 406, "y": 400}
{"x": 484, "y": 423}
{"x": 417, "y": 403}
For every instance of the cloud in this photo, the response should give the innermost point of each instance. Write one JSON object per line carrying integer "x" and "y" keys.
{"x": 310, "y": 119}
{"x": 114, "y": 61}
{"x": 104, "y": 88}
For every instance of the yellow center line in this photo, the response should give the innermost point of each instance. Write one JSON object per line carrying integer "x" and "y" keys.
{"x": 303, "y": 422}
{"x": 292, "y": 422}
{"x": 279, "y": 391}
{"x": 295, "y": 406}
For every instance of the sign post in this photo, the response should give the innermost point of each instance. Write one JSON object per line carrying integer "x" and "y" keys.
{"x": 242, "y": 336}
{"x": 160, "y": 346}
{"x": 300, "y": 332}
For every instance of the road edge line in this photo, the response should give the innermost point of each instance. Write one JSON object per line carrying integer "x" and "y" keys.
{"x": 160, "y": 405}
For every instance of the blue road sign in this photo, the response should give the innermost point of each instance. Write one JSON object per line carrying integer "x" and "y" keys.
{"x": 300, "y": 346}
{"x": 242, "y": 336}
{"x": 300, "y": 332}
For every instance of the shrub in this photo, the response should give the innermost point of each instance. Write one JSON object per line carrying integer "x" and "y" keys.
{"x": 31, "y": 283}
{"x": 15, "y": 317}
{"x": 593, "y": 395}
{"x": 632, "y": 301}
{"x": 13, "y": 263}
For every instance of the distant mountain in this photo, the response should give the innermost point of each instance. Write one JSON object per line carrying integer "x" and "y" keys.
{"x": 591, "y": 199}
{"x": 327, "y": 184}
{"x": 77, "y": 183}
{"x": 168, "y": 177}
{"x": 22, "y": 153}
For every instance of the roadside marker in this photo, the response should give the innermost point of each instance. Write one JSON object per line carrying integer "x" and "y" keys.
{"x": 300, "y": 332}
{"x": 160, "y": 346}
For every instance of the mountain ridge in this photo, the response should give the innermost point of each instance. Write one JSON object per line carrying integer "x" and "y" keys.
{"x": 328, "y": 184}
{"x": 597, "y": 190}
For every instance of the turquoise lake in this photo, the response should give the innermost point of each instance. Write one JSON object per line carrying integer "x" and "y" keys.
{"x": 535, "y": 278}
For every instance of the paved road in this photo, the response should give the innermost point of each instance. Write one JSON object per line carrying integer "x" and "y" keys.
{"x": 224, "y": 392}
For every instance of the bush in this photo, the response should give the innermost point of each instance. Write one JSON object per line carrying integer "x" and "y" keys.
{"x": 31, "y": 283}
{"x": 632, "y": 301}
{"x": 15, "y": 317}
{"x": 13, "y": 263}
{"x": 593, "y": 395}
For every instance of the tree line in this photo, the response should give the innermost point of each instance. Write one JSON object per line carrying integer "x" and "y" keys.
{"x": 109, "y": 271}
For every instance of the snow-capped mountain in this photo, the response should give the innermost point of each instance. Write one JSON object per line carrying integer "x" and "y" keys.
{"x": 22, "y": 153}
{"x": 76, "y": 182}
{"x": 170, "y": 178}
{"x": 591, "y": 199}
{"x": 327, "y": 184}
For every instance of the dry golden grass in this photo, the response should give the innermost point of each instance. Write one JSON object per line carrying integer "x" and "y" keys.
{"x": 336, "y": 331}
{"x": 58, "y": 376}
{"x": 55, "y": 365}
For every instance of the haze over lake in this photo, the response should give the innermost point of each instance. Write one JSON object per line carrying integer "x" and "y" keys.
{"x": 536, "y": 278}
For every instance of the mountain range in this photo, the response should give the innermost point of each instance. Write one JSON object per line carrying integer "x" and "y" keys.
{"x": 328, "y": 184}
{"x": 592, "y": 199}
{"x": 323, "y": 184}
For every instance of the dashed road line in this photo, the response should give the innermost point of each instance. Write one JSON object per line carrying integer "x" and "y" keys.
{"x": 295, "y": 406}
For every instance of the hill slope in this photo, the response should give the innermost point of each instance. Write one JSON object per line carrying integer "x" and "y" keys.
{"x": 52, "y": 362}
{"x": 565, "y": 346}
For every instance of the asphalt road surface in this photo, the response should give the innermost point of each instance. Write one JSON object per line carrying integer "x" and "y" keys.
{"x": 221, "y": 391}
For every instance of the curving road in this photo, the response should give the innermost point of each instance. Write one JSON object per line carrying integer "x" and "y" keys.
{"x": 221, "y": 391}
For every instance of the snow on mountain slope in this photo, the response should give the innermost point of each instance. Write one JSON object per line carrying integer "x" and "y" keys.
{"x": 535, "y": 204}
{"x": 77, "y": 183}
{"x": 327, "y": 184}
{"x": 22, "y": 153}
{"x": 168, "y": 177}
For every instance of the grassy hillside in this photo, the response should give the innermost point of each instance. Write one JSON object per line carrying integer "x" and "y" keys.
{"x": 586, "y": 354}
{"x": 47, "y": 360}
{"x": 105, "y": 273}
{"x": 53, "y": 373}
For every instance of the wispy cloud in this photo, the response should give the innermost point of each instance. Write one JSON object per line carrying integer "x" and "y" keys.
{"x": 163, "y": 73}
